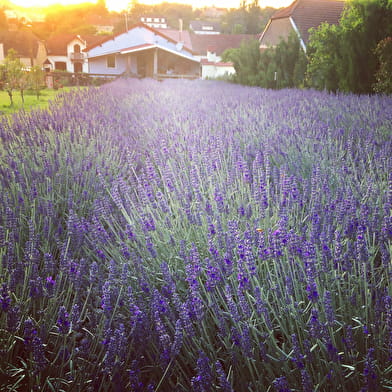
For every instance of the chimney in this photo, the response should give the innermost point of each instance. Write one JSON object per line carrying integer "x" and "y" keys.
{"x": 180, "y": 30}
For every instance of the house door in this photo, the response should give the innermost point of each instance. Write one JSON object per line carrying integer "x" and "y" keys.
{"x": 78, "y": 67}
{"x": 142, "y": 66}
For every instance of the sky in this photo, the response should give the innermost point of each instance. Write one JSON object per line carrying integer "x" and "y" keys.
{"x": 119, "y": 5}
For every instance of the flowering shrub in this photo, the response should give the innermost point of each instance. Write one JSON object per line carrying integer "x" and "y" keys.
{"x": 197, "y": 236}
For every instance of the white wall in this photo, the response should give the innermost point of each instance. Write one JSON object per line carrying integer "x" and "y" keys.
{"x": 211, "y": 71}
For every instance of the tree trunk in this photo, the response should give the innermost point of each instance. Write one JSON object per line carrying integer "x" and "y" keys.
{"x": 11, "y": 99}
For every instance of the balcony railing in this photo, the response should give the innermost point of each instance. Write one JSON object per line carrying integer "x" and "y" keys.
{"x": 76, "y": 56}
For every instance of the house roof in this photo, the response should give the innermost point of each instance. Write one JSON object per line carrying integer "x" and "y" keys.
{"x": 160, "y": 32}
{"x": 201, "y": 43}
{"x": 197, "y": 25}
{"x": 24, "y": 42}
{"x": 216, "y": 64}
{"x": 177, "y": 36}
{"x": 57, "y": 45}
{"x": 140, "y": 38}
{"x": 311, "y": 13}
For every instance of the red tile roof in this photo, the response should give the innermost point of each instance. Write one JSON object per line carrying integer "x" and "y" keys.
{"x": 218, "y": 42}
{"x": 160, "y": 32}
{"x": 311, "y": 13}
{"x": 175, "y": 35}
{"x": 57, "y": 45}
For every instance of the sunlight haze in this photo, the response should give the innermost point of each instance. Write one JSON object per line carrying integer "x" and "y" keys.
{"x": 119, "y": 5}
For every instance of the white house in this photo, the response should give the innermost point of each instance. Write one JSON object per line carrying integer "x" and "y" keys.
{"x": 156, "y": 22}
{"x": 209, "y": 49}
{"x": 144, "y": 52}
{"x": 65, "y": 53}
{"x": 204, "y": 27}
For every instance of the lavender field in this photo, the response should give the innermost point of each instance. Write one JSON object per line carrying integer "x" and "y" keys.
{"x": 197, "y": 236}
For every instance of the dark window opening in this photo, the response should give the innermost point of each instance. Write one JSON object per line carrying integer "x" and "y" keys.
{"x": 111, "y": 61}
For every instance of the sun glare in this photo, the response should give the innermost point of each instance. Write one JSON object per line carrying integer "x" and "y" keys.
{"x": 119, "y": 5}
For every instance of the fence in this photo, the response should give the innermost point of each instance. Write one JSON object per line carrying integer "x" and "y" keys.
{"x": 60, "y": 79}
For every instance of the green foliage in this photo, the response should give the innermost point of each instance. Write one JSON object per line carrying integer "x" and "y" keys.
{"x": 171, "y": 11}
{"x": 384, "y": 74}
{"x": 249, "y": 19}
{"x": 71, "y": 18}
{"x": 324, "y": 53}
{"x": 343, "y": 57}
{"x": 12, "y": 70}
{"x": 280, "y": 67}
{"x": 246, "y": 62}
{"x": 36, "y": 80}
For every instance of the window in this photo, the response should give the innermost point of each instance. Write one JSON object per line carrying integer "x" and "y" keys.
{"x": 111, "y": 61}
{"x": 60, "y": 66}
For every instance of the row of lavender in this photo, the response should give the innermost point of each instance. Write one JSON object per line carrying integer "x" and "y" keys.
{"x": 198, "y": 236}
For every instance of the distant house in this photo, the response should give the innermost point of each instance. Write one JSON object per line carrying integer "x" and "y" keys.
{"x": 144, "y": 52}
{"x": 30, "y": 50}
{"x": 102, "y": 24}
{"x": 154, "y": 21}
{"x": 204, "y": 27}
{"x": 214, "y": 12}
{"x": 209, "y": 49}
{"x": 65, "y": 52}
{"x": 299, "y": 17}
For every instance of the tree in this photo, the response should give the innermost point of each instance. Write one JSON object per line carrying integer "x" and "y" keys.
{"x": 249, "y": 19}
{"x": 324, "y": 54}
{"x": 383, "y": 75}
{"x": 23, "y": 83}
{"x": 245, "y": 60}
{"x": 12, "y": 69}
{"x": 36, "y": 80}
{"x": 282, "y": 66}
{"x": 343, "y": 57}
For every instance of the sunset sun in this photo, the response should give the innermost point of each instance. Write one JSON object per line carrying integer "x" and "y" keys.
{"x": 119, "y": 5}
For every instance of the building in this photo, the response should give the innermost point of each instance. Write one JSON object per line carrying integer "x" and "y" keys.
{"x": 209, "y": 49}
{"x": 204, "y": 27}
{"x": 156, "y": 22}
{"x": 299, "y": 17}
{"x": 65, "y": 52}
{"x": 143, "y": 51}
{"x": 30, "y": 50}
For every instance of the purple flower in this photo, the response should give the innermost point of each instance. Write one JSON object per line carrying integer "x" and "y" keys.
{"x": 311, "y": 289}
{"x": 63, "y": 322}
{"x": 13, "y": 319}
{"x": 297, "y": 357}
{"x": 224, "y": 383}
{"x": 281, "y": 385}
{"x": 5, "y": 299}
{"x": 306, "y": 380}
{"x": 329, "y": 311}
{"x": 371, "y": 381}
{"x": 202, "y": 382}
{"x": 178, "y": 339}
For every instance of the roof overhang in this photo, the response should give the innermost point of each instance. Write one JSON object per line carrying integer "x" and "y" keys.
{"x": 143, "y": 47}
{"x": 293, "y": 24}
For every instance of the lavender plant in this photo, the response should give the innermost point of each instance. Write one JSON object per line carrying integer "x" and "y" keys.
{"x": 201, "y": 236}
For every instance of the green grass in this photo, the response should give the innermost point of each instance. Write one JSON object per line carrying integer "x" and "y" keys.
{"x": 30, "y": 100}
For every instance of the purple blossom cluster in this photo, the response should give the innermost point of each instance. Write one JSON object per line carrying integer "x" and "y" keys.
{"x": 194, "y": 235}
